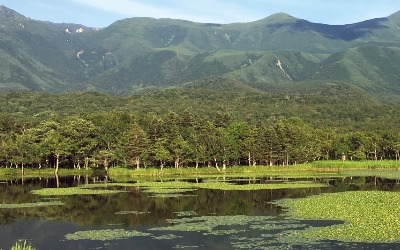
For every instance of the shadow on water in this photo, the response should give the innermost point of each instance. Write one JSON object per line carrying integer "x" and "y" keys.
{"x": 46, "y": 227}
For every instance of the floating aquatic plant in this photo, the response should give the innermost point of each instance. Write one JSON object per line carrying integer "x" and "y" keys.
{"x": 32, "y": 205}
{"x": 168, "y": 190}
{"x": 108, "y": 184}
{"x": 108, "y": 234}
{"x": 244, "y": 232}
{"x": 248, "y": 187}
{"x": 209, "y": 223}
{"x": 185, "y": 213}
{"x": 181, "y": 186}
{"x": 132, "y": 212}
{"x": 172, "y": 195}
{"x": 72, "y": 191}
{"x": 183, "y": 247}
{"x": 369, "y": 216}
{"x": 167, "y": 237}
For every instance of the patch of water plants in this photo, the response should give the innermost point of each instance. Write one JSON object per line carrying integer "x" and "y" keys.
{"x": 185, "y": 213}
{"x": 167, "y": 237}
{"x": 185, "y": 247}
{"x": 173, "y": 187}
{"x": 213, "y": 224}
{"x": 32, "y": 204}
{"x": 177, "y": 188}
{"x": 104, "y": 235}
{"x": 368, "y": 216}
{"x": 239, "y": 231}
{"x": 131, "y": 212}
{"x": 73, "y": 191}
{"x": 171, "y": 195}
{"x": 108, "y": 184}
{"x": 164, "y": 190}
{"x": 242, "y": 231}
{"x": 247, "y": 187}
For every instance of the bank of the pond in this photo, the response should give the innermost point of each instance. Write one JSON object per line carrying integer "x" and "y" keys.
{"x": 316, "y": 168}
{"x": 44, "y": 172}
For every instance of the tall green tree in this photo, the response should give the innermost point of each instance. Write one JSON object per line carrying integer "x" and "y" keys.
{"x": 83, "y": 136}
{"x": 55, "y": 141}
{"x": 112, "y": 128}
{"x": 138, "y": 143}
{"x": 160, "y": 152}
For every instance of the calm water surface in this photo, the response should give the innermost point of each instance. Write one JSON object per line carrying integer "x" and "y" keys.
{"x": 47, "y": 227}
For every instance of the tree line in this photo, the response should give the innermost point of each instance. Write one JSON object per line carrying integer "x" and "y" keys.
{"x": 110, "y": 139}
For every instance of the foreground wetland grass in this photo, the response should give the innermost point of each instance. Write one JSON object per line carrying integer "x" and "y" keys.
{"x": 22, "y": 245}
{"x": 317, "y": 208}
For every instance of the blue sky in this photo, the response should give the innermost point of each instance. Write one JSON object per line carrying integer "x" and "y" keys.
{"x": 101, "y": 13}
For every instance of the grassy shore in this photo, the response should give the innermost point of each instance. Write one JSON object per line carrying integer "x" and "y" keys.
{"x": 44, "y": 172}
{"x": 314, "y": 168}
{"x": 317, "y": 168}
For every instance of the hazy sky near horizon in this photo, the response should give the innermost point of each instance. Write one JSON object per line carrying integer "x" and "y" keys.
{"x": 101, "y": 13}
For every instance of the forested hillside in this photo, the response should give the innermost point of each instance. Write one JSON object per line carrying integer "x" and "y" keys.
{"x": 195, "y": 127}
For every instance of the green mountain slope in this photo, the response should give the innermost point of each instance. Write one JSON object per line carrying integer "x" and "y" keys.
{"x": 38, "y": 55}
{"x": 278, "y": 53}
{"x": 373, "y": 68}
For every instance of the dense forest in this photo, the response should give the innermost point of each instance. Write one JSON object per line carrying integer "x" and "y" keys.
{"x": 93, "y": 130}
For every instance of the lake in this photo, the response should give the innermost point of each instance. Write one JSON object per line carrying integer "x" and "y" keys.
{"x": 191, "y": 216}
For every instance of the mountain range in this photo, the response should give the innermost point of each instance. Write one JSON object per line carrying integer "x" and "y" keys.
{"x": 278, "y": 53}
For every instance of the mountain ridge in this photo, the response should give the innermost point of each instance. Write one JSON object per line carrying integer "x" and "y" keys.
{"x": 135, "y": 54}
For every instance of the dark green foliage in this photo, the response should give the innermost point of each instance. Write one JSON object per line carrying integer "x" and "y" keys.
{"x": 195, "y": 127}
